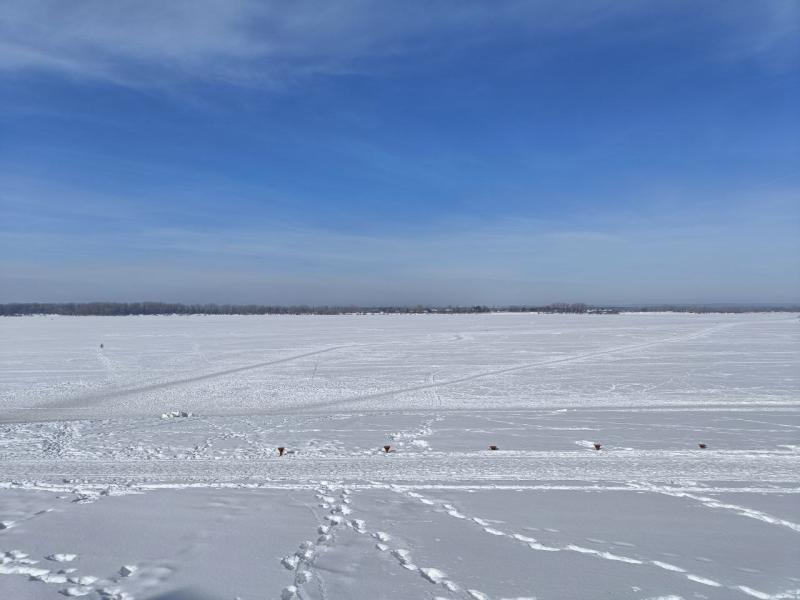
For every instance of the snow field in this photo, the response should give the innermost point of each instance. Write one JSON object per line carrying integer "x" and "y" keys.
{"x": 102, "y": 498}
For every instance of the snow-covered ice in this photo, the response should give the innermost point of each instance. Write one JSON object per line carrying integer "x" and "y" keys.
{"x": 103, "y": 496}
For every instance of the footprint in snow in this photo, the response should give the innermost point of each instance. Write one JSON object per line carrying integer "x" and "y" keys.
{"x": 420, "y": 497}
{"x": 538, "y": 546}
{"x": 703, "y": 580}
{"x": 76, "y": 591}
{"x": 667, "y": 566}
{"x": 306, "y": 551}
{"x": 334, "y": 519}
{"x": 61, "y": 557}
{"x": 49, "y": 577}
{"x": 358, "y": 525}
{"x": 433, "y": 575}
{"x": 450, "y": 586}
{"x": 404, "y": 557}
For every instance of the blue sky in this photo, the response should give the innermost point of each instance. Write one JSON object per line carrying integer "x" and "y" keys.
{"x": 400, "y": 153}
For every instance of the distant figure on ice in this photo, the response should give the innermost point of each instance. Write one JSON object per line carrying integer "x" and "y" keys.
{"x": 101, "y": 346}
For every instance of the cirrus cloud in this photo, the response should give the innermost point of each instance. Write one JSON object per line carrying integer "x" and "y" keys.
{"x": 151, "y": 43}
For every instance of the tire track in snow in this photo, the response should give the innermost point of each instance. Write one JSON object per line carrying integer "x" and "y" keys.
{"x": 503, "y": 371}
{"x": 102, "y": 396}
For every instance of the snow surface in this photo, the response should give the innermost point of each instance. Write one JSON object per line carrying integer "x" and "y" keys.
{"x": 101, "y": 496}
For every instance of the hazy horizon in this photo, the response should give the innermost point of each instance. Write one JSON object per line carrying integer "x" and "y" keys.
{"x": 459, "y": 306}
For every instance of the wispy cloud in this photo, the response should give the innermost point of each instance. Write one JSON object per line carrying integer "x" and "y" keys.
{"x": 152, "y": 43}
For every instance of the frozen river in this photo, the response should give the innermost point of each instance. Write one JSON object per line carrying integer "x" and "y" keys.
{"x": 101, "y": 497}
{"x": 243, "y": 365}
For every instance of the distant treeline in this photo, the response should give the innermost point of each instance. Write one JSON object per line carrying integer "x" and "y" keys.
{"x": 167, "y": 308}
{"x": 711, "y": 308}
{"x": 106, "y": 309}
